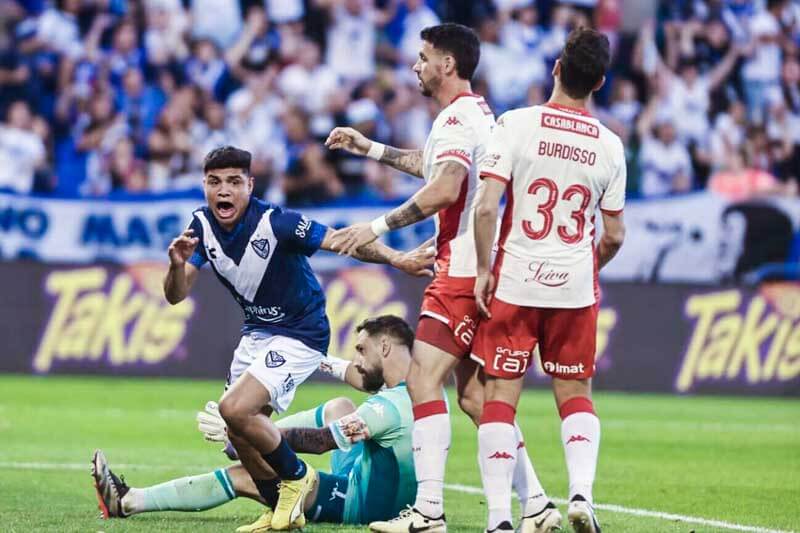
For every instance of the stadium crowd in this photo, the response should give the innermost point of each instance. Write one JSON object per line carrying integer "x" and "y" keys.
{"x": 101, "y": 97}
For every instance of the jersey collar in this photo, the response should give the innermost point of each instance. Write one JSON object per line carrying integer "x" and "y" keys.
{"x": 459, "y": 95}
{"x": 568, "y": 109}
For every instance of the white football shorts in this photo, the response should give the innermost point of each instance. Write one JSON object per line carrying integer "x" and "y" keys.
{"x": 279, "y": 363}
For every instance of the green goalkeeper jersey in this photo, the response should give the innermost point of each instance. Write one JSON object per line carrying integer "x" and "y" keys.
{"x": 382, "y": 481}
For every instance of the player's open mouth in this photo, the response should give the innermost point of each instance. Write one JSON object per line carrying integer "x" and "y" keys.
{"x": 225, "y": 209}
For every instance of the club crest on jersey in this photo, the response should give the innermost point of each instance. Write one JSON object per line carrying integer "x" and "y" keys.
{"x": 261, "y": 247}
{"x": 274, "y": 359}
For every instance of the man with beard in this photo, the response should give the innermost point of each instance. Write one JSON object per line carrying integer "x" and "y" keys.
{"x": 455, "y": 147}
{"x": 372, "y": 470}
{"x": 259, "y": 252}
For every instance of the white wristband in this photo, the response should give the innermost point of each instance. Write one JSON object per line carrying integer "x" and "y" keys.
{"x": 379, "y": 226}
{"x": 335, "y": 366}
{"x": 376, "y": 150}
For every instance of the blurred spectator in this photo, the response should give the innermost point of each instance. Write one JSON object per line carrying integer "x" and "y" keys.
{"x": 126, "y": 171}
{"x": 415, "y": 16}
{"x": 120, "y": 86}
{"x": 220, "y": 21}
{"x": 311, "y": 85}
{"x": 164, "y": 40}
{"x": 22, "y": 150}
{"x": 141, "y": 104}
{"x": 98, "y": 131}
{"x": 738, "y": 181}
{"x": 170, "y": 143}
{"x": 761, "y": 72}
{"x": 351, "y": 38}
{"x": 508, "y": 73}
{"x": 309, "y": 178}
{"x": 664, "y": 161}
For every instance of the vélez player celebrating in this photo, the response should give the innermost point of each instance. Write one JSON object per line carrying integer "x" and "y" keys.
{"x": 258, "y": 251}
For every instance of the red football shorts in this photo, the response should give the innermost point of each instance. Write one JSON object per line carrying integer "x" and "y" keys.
{"x": 448, "y": 315}
{"x": 567, "y": 340}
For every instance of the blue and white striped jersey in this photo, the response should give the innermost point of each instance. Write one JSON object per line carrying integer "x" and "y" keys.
{"x": 263, "y": 263}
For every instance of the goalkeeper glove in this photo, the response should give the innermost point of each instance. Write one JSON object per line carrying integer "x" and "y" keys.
{"x": 211, "y": 424}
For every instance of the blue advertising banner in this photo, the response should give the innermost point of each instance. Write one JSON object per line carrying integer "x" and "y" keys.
{"x": 696, "y": 238}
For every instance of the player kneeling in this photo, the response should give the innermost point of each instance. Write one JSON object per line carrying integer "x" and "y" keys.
{"x": 372, "y": 469}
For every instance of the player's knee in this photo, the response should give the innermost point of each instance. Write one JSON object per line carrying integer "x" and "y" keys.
{"x": 234, "y": 413}
{"x": 337, "y": 408}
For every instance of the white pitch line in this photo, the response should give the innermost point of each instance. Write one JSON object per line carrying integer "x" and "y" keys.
{"x": 644, "y": 512}
{"x": 466, "y": 489}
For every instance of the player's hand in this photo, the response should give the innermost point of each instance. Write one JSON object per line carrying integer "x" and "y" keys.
{"x": 348, "y": 240}
{"x": 182, "y": 247}
{"x": 417, "y": 262}
{"x": 484, "y": 292}
{"x": 211, "y": 424}
{"x": 348, "y": 139}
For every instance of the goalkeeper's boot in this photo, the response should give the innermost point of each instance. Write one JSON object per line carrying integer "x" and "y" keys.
{"x": 411, "y": 520}
{"x": 109, "y": 488}
{"x": 547, "y": 520}
{"x": 581, "y": 516}
{"x": 291, "y": 501}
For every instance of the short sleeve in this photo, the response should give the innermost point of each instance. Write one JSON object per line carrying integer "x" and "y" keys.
{"x": 613, "y": 200}
{"x": 198, "y": 258}
{"x": 381, "y": 417}
{"x": 377, "y": 419}
{"x": 455, "y": 141}
{"x": 297, "y": 232}
{"x": 497, "y": 163}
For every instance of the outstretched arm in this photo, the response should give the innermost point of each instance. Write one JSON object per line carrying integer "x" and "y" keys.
{"x": 416, "y": 262}
{"x": 439, "y": 193}
{"x": 353, "y": 141}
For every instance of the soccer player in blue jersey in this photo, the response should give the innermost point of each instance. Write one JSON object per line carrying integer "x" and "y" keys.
{"x": 259, "y": 252}
{"x": 372, "y": 466}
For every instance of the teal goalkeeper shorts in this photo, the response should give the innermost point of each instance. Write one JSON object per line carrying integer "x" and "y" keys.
{"x": 332, "y": 492}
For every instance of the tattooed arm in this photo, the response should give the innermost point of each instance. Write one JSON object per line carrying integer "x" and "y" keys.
{"x": 309, "y": 440}
{"x": 408, "y": 161}
{"x": 353, "y": 141}
{"x": 416, "y": 262}
{"x": 440, "y": 193}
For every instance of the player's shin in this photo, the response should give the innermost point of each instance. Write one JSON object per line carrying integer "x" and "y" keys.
{"x": 532, "y": 497}
{"x": 194, "y": 493}
{"x": 431, "y": 442}
{"x": 497, "y": 452}
{"x": 580, "y": 435}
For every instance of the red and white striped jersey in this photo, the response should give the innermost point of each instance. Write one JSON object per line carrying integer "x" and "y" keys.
{"x": 560, "y": 164}
{"x": 459, "y": 133}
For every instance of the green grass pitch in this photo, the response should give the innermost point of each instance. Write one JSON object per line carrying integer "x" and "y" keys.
{"x": 735, "y": 460}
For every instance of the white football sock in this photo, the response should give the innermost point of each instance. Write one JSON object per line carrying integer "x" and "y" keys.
{"x": 532, "y": 498}
{"x": 580, "y": 435}
{"x": 431, "y": 442}
{"x": 497, "y": 452}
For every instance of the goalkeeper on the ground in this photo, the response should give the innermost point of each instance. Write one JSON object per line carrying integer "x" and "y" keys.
{"x": 372, "y": 468}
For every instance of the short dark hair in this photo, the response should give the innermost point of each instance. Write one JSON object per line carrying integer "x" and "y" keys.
{"x": 459, "y": 41}
{"x": 584, "y": 61}
{"x": 227, "y": 157}
{"x": 391, "y": 325}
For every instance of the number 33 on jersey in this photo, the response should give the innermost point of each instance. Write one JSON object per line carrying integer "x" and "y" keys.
{"x": 556, "y": 179}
